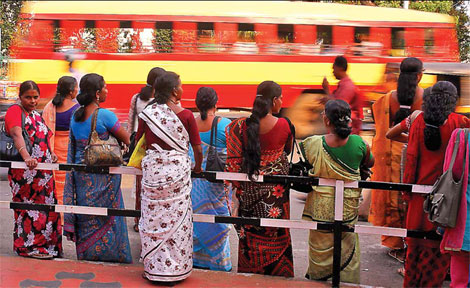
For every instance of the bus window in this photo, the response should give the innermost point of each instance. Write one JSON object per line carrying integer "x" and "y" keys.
{"x": 56, "y": 40}
{"x": 246, "y": 40}
{"x": 206, "y": 37}
{"x": 398, "y": 42}
{"x": 429, "y": 41}
{"x": 89, "y": 36}
{"x": 125, "y": 37}
{"x": 163, "y": 36}
{"x": 246, "y": 32}
{"x": 285, "y": 33}
{"x": 361, "y": 34}
{"x": 324, "y": 37}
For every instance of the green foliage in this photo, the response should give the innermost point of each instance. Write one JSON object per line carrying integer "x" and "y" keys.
{"x": 163, "y": 40}
{"x": 9, "y": 11}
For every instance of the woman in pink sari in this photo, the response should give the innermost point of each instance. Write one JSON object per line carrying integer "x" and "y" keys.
{"x": 456, "y": 241}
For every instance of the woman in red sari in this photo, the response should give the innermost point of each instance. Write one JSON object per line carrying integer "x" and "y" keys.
{"x": 430, "y": 132}
{"x": 37, "y": 234}
{"x": 259, "y": 145}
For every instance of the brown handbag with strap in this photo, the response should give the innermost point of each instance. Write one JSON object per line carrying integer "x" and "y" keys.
{"x": 101, "y": 152}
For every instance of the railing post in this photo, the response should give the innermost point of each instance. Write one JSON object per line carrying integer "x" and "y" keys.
{"x": 337, "y": 232}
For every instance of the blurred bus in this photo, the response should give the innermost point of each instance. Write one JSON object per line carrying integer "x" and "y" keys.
{"x": 228, "y": 45}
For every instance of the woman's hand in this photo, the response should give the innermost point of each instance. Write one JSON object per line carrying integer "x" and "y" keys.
{"x": 54, "y": 158}
{"x": 197, "y": 169}
{"x": 31, "y": 162}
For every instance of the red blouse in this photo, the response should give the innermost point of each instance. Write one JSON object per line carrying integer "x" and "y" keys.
{"x": 275, "y": 138}
{"x": 13, "y": 117}
{"x": 424, "y": 166}
{"x": 186, "y": 117}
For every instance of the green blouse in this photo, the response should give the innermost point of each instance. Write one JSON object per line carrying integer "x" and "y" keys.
{"x": 351, "y": 153}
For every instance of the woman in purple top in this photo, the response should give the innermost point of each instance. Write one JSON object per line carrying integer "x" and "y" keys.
{"x": 57, "y": 114}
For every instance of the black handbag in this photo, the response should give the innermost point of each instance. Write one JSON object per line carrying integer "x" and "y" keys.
{"x": 299, "y": 168}
{"x": 8, "y": 150}
{"x": 215, "y": 160}
{"x": 443, "y": 203}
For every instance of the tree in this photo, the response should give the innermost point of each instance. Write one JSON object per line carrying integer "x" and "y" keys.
{"x": 10, "y": 11}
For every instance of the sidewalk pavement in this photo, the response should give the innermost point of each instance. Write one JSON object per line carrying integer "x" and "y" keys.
{"x": 27, "y": 272}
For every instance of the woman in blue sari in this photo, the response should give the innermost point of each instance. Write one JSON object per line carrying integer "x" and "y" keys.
{"x": 97, "y": 238}
{"x": 210, "y": 240}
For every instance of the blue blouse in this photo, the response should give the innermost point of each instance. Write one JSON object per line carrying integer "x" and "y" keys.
{"x": 106, "y": 121}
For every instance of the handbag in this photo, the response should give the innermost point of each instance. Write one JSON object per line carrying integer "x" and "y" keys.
{"x": 101, "y": 152}
{"x": 138, "y": 154}
{"x": 364, "y": 169}
{"x": 126, "y": 157}
{"x": 299, "y": 168}
{"x": 215, "y": 160}
{"x": 8, "y": 150}
{"x": 443, "y": 203}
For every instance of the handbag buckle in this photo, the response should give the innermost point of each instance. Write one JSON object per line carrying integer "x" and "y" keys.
{"x": 9, "y": 146}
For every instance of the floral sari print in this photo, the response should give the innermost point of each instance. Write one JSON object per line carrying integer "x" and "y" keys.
{"x": 166, "y": 227}
{"x": 36, "y": 232}
{"x": 261, "y": 250}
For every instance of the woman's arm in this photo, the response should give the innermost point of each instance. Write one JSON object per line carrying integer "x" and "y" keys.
{"x": 371, "y": 157}
{"x": 197, "y": 158}
{"x": 122, "y": 135}
{"x": 16, "y": 134}
{"x": 396, "y": 133}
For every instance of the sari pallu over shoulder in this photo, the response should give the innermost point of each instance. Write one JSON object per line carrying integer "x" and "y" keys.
{"x": 261, "y": 200}
{"x": 386, "y": 208}
{"x": 165, "y": 225}
{"x": 320, "y": 203}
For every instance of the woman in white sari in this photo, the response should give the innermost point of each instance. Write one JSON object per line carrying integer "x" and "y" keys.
{"x": 166, "y": 218}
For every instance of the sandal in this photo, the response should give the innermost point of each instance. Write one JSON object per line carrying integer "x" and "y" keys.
{"x": 398, "y": 254}
{"x": 136, "y": 227}
{"x": 401, "y": 271}
{"x": 37, "y": 255}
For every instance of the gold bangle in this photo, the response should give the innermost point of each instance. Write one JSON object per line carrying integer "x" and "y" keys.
{"x": 19, "y": 150}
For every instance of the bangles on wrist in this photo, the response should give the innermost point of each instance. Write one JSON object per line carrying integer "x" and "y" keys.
{"x": 21, "y": 148}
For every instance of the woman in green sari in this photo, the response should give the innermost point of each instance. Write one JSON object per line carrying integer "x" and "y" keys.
{"x": 337, "y": 155}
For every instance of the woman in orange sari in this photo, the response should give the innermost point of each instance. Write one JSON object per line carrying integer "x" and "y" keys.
{"x": 57, "y": 114}
{"x": 387, "y": 207}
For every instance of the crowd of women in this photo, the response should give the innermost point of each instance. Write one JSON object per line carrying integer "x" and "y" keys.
{"x": 177, "y": 143}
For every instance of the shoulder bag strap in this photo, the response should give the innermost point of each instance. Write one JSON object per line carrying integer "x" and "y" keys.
{"x": 454, "y": 153}
{"x": 295, "y": 146}
{"x": 214, "y": 129}
{"x": 93, "y": 124}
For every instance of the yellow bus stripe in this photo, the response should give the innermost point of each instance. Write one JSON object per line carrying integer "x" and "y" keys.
{"x": 200, "y": 72}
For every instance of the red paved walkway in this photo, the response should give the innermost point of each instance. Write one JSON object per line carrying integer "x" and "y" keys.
{"x": 27, "y": 272}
